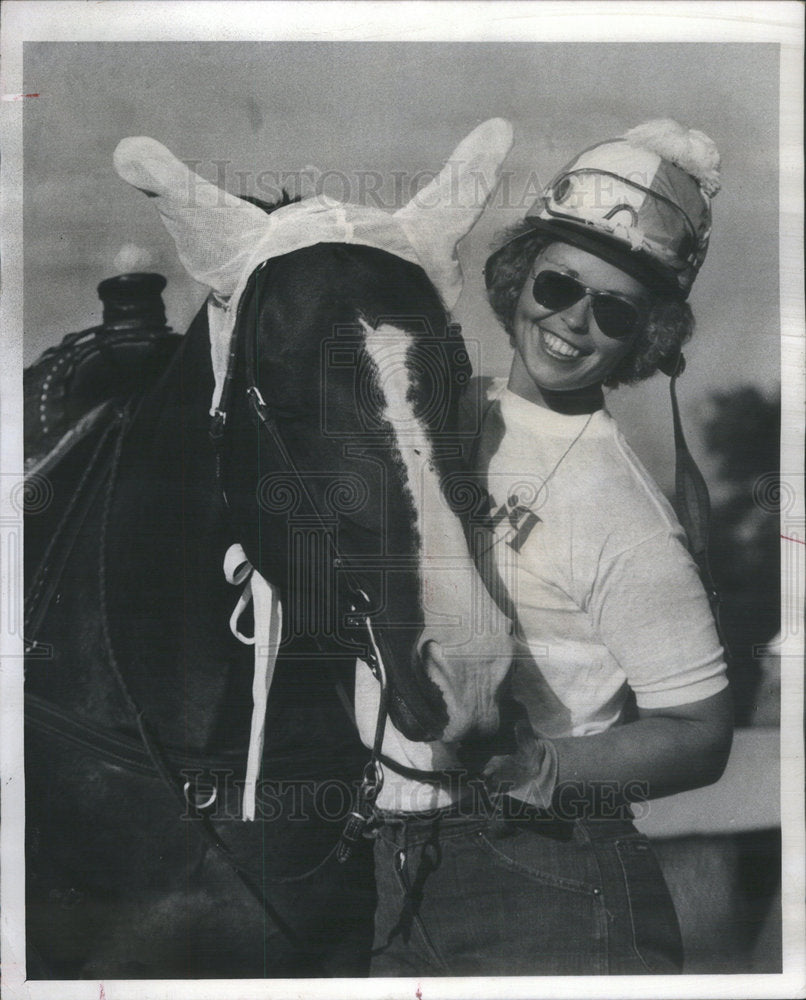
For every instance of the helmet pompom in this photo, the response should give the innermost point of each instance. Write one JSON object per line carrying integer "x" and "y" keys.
{"x": 689, "y": 149}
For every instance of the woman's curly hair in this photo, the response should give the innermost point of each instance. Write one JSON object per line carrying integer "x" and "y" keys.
{"x": 669, "y": 325}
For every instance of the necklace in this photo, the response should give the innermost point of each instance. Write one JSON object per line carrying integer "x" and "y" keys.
{"x": 564, "y": 455}
{"x": 523, "y": 518}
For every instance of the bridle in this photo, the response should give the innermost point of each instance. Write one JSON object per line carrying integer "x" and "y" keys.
{"x": 359, "y": 615}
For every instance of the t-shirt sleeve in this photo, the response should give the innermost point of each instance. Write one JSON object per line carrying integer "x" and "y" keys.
{"x": 652, "y": 613}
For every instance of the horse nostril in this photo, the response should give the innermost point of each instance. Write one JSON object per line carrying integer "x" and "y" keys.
{"x": 431, "y": 652}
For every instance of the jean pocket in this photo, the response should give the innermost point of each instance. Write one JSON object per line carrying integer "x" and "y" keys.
{"x": 560, "y": 864}
{"x": 655, "y": 930}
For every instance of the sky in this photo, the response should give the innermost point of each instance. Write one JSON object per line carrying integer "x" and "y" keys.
{"x": 364, "y": 121}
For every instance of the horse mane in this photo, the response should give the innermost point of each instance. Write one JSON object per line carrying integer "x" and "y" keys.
{"x": 271, "y": 206}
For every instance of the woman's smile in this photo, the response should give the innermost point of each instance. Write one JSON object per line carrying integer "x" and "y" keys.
{"x": 564, "y": 350}
{"x": 558, "y": 348}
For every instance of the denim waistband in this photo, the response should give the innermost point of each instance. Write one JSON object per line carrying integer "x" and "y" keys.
{"x": 463, "y": 818}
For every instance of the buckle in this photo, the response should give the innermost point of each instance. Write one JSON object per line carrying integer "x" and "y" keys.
{"x": 218, "y": 419}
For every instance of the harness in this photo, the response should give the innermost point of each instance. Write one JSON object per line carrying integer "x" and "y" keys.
{"x": 359, "y": 612}
{"x": 48, "y": 719}
{"x": 693, "y": 502}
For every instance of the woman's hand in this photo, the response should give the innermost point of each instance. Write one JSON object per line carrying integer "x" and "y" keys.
{"x": 530, "y": 773}
{"x": 664, "y": 751}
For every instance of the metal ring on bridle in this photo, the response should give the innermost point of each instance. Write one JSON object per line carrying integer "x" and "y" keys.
{"x": 199, "y": 805}
{"x": 376, "y": 664}
{"x": 372, "y": 780}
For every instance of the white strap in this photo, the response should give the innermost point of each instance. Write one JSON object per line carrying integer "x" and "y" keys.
{"x": 268, "y": 615}
{"x": 218, "y": 321}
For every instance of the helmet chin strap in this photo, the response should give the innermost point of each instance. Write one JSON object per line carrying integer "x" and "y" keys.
{"x": 692, "y": 501}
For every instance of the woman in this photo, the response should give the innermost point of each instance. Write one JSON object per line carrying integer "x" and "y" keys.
{"x": 619, "y": 676}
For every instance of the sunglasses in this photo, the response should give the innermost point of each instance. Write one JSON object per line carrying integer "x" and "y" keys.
{"x": 617, "y": 317}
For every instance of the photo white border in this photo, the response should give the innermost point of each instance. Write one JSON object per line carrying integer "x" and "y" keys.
{"x": 364, "y": 20}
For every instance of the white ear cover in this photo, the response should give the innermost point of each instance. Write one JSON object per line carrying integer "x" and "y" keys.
{"x": 445, "y": 210}
{"x": 214, "y": 231}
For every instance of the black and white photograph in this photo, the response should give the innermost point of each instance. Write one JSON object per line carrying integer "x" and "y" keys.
{"x": 401, "y": 501}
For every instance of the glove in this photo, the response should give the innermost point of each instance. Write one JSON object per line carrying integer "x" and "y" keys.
{"x": 529, "y": 774}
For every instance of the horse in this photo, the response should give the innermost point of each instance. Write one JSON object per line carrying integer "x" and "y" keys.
{"x": 304, "y": 434}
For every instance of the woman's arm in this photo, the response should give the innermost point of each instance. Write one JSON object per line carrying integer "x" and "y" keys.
{"x": 650, "y": 609}
{"x": 665, "y": 750}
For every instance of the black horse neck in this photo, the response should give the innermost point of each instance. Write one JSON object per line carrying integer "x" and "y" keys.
{"x": 168, "y": 601}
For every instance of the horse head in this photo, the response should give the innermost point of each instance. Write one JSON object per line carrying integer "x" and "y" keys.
{"x": 337, "y": 380}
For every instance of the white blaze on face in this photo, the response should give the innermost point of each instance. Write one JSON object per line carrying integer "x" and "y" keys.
{"x": 466, "y": 642}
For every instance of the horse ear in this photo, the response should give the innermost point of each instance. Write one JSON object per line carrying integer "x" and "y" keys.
{"x": 445, "y": 210}
{"x": 211, "y": 228}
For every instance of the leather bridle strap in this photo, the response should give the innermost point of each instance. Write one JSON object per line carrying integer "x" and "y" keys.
{"x": 372, "y": 780}
{"x": 693, "y": 504}
{"x": 446, "y": 776}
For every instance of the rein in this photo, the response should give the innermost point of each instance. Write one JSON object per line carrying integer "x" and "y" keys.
{"x": 110, "y": 746}
{"x": 693, "y": 505}
{"x": 54, "y": 560}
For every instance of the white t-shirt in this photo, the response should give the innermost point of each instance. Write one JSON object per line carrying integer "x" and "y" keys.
{"x": 594, "y": 561}
{"x": 603, "y": 591}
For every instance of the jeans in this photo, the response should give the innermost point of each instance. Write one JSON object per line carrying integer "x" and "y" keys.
{"x": 474, "y": 896}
